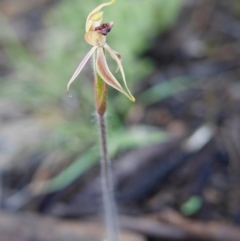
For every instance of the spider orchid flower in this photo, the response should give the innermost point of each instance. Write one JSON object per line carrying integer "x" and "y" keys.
{"x": 96, "y": 36}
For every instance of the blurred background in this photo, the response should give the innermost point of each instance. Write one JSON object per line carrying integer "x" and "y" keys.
{"x": 175, "y": 151}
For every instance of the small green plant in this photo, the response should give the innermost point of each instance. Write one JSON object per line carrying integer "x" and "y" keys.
{"x": 96, "y": 36}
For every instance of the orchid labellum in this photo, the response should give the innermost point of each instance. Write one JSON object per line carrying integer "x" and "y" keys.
{"x": 95, "y": 35}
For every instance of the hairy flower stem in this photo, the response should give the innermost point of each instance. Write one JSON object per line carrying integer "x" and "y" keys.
{"x": 111, "y": 217}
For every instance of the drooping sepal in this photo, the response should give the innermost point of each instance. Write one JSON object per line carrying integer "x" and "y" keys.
{"x": 107, "y": 76}
{"x": 80, "y": 66}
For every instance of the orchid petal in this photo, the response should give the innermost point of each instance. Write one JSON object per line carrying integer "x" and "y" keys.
{"x": 115, "y": 57}
{"x": 107, "y": 76}
{"x": 80, "y": 67}
{"x": 117, "y": 54}
{"x": 95, "y": 15}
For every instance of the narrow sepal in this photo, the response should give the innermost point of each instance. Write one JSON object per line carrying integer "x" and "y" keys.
{"x": 116, "y": 58}
{"x": 117, "y": 54}
{"x": 106, "y": 75}
{"x": 80, "y": 67}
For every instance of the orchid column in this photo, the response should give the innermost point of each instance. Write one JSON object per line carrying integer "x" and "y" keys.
{"x": 95, "y": 35}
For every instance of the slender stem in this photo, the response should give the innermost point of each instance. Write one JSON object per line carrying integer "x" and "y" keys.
{"x": 111, "y": 217}
{"x": 110, "y": 210}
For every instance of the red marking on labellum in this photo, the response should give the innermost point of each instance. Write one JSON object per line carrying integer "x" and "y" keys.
{"x": 104, "y": 28}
